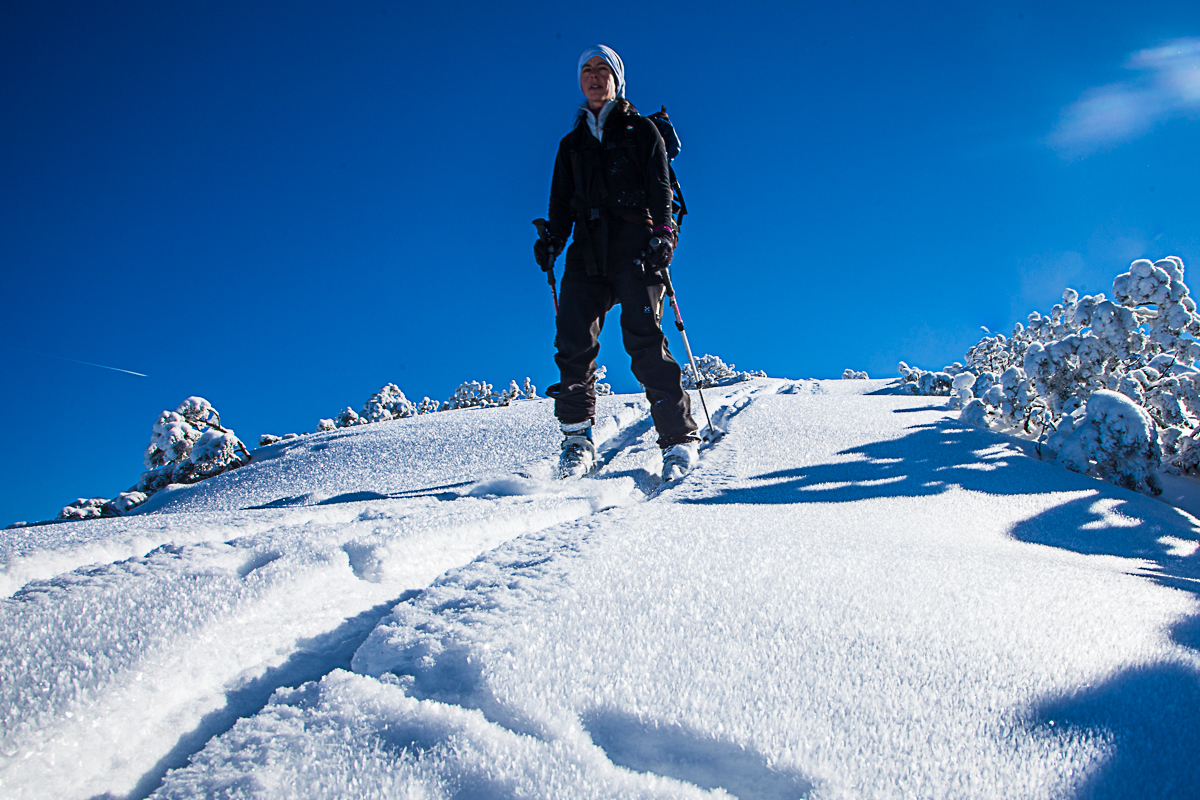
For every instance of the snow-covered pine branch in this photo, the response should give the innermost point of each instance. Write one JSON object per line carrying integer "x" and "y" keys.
{"x": 83, "y": 508}
{"x": 602, "y": 388}
{"x": 1054, "y": 380}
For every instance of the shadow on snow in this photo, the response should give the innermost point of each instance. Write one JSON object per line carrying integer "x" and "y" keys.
{"x": 675, "y": 752}
{"x": 1150, "y": 713}
{"x": 932, "y": 459}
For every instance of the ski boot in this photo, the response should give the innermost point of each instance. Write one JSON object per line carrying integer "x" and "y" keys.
{"x": 679, "y": 459}
{"x": 578, "y": 456}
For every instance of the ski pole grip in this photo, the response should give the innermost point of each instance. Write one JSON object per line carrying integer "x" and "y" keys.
{"x": 544, "y": 233}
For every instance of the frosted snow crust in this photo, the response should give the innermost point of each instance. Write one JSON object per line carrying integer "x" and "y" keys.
{"x": 117, "y": 671}
{"x": 852, "y": 596}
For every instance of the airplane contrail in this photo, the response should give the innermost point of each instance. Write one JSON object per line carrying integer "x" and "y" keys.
{"x": 77, "y": 361}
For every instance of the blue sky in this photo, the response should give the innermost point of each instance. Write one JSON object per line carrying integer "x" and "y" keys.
{"x": 281, "y": 207}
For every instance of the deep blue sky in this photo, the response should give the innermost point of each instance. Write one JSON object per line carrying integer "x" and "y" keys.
{"x": 283, "y": 206}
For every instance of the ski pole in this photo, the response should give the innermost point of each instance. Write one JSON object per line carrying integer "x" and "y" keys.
{"x": 666, "y": 273}
{"x": 543, "y": 233}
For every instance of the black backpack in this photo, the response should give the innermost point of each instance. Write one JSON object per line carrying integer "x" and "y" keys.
{"x": 671, "y": 140}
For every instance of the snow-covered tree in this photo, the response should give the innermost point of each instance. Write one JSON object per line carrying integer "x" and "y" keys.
{"x": 849, "y": 374}
{"x": 123, "y": 502}
{"x": 187, "y": 445}
{"x": 388, "y": 403}
{"x": 473, "y": 394}
{"x": 347, "y": 418}
{"x": 1141, "y": 346}
{"x": 1115, "y": 440}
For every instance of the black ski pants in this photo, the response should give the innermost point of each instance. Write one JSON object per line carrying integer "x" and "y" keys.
{"x": 582, "y": 306}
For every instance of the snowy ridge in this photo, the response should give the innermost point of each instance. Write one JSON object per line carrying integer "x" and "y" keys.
{"x": 852, "y": 595}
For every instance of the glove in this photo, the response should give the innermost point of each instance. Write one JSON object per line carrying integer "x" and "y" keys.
{"x": 662, "y": 247}
{"x": 541, "y": 251}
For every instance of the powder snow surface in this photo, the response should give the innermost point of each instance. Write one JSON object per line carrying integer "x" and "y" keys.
{"x": 852, "y": 596}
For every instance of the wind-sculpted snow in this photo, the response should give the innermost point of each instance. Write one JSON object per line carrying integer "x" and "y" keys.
{"x": 851, "y": 596}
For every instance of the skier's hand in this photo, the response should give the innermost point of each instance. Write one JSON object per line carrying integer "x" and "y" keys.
{"x": 541, "y": 251}
{"x": 662, "y": 247}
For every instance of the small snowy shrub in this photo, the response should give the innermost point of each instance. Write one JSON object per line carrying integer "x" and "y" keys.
{"x": 919, "y": 381}
{"x": 473, "y": 394}
{"x": 513, "y": 392}
{"x": 1141, "y": 346}
{"x": 347, "y": 418}
{"x": 193, "y": 444}
{"x": 388, "y": 403}
{"x": 851, "y": 375}
{"x": 715, "y": 372}
{"x": 1116, "y": 440}
{"x": 187, "y": 445}
{"x": 962, "y": 384}
{"x": 480, "y": 394}
{"x": 975, "y": 413}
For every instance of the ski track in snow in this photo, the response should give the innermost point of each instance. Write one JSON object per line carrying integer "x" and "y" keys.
{"x": 850, "y": 596}
{"x": 227, "y": 590}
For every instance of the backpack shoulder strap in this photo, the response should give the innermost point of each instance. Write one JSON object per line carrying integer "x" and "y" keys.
{"x": 671, "y": 140}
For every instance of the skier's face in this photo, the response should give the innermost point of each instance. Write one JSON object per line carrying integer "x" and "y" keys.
{"x": 597, "y": 81}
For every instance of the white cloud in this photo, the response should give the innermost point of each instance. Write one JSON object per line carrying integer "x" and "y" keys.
{"x": 1108, "y": 115}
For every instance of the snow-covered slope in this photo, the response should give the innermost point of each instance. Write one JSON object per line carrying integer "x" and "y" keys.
{"x": 852, "y": 596}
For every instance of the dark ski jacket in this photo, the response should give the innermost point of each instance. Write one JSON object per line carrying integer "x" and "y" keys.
{"x": 623, "y": 180}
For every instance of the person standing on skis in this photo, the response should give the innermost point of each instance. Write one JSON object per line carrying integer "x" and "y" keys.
{"x": 611, "y": 187}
